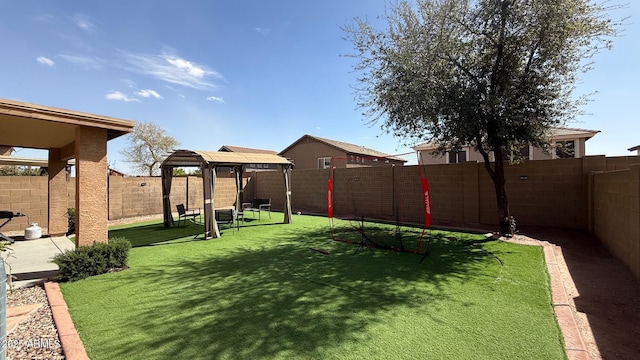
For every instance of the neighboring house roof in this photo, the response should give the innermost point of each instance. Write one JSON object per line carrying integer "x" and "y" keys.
{"x": 6, "y": 150}
{"x": 561, "y": 133}
{"x": 240, "y": 149}
{"x": 114, "y": 172}
{"x": 634, "y": 148}
{"x": 557, "y": 133}
{"x": 346, "y": 147}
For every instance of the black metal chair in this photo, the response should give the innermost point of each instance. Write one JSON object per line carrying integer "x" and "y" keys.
{"x": 184, "y": 214}
{"x": 7, "y": 216}
{"x": 226, "y": 216}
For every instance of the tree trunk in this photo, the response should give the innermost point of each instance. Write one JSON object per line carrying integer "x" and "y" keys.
{"x": 504, "y": 216}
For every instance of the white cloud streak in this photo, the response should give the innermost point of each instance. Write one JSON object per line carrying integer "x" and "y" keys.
{"x": 215, "y": 99}
{"x": 147, "y": 93}
{"x": 262, "y": 31}
{"x": 118, "y": 96}
{"x": 173, "y": 69}
{"x": 45, "y": 61}
{"x": 83, "y": 22}
{"x": 86, "y": 61}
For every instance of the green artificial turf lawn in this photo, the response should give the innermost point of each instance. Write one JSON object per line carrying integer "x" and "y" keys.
{"x": 262, "y": 293}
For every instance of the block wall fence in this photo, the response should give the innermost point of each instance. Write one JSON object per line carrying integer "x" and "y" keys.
{"x": 595, "y": 193}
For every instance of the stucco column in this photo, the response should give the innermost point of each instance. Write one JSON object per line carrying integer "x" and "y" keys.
{"x": 91, "y": 186}
{"x": 57, "y": 200}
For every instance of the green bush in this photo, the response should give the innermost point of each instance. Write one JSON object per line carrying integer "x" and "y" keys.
{"x": 71, "y": 220}
{"x": 92, "y": 260}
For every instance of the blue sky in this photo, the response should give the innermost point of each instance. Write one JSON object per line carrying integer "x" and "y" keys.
{"x": 247, "y": 73}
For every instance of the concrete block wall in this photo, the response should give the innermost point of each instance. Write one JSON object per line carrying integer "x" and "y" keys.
{"x": 541, "y": 193}
{"x": 621, "y": 162}
{"x": 128, "y": 197}
{"x": 309, "y": 190}
{"x": 27, "y": 195}
{"x": 408, "y": 194}
{"x": 616, "y": 214}
{"x": 446, "y": 187}
{"x": 364, "y": 192}
{"x": 266, "y": 185}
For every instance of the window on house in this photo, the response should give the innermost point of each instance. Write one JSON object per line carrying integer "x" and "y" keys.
{"x": 522, "y": 152}
{"x": 565, "y": 149}
{"x": 324, "y": 163}
{"x": 456, "y": 157}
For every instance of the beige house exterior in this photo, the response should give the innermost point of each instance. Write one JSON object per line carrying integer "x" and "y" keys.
{"x": 636, "y": 149}
{"x": 66, "y": 134}
{"x": 572, "y": 140}
{"x": 313, "y": 152}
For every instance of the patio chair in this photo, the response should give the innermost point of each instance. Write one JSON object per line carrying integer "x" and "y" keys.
{"x": 226, "y": 216}
{"x": 257, "y": 205}
{"x": 183, "y": 214}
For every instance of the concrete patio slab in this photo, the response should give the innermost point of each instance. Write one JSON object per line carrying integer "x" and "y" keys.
{"x": 29, "y": 261}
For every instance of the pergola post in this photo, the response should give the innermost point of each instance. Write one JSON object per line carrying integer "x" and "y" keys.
{"x": 209, "y": 183}
{"x": 239, "y": 187}
{"x": 286, "y": 170}
{"x": 167, "y": 176}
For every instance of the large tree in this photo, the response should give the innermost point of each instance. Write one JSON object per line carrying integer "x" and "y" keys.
{"x": 493, "y": 74}
{"x": 148, "y": 146}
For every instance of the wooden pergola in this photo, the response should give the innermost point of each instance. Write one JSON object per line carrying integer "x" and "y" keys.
{"x": 208, "y": 162}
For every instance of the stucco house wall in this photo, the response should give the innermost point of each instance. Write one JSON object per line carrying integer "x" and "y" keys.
{"x": 578, "y": 136}
{"x": 306, "y": 153}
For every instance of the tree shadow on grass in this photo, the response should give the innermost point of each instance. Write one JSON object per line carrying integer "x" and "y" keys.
{"x": 278, "y": 298}
{"x": 156, "y": 233}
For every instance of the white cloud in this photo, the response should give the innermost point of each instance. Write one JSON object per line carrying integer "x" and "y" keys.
{"x": 117, "y": 95}
{"x": 45, "y": 61}
{"x": 216, "y": 99}
{"x": 83, "y": 22}
{"x": 173, "y": 69}
{"x": 188, "y": 67}
{"x": 146, "y": 93}
{"x": 86, "y": 61}
{"x": 44, "y": 17}
{"x": 263, "y": 31}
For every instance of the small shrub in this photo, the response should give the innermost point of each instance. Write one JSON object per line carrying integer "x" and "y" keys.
{"x": 96, "y": 259}
{"x": 71, "y": 219}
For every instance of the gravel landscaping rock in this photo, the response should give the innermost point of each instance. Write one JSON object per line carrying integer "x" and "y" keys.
{"x": 37, "y": 336}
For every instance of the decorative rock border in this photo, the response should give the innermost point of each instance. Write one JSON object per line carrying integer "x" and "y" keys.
{"x": 70, "y": 340}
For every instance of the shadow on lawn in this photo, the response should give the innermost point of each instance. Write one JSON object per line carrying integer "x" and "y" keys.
{"x": 156, "y": 234}
{"x": 285, "y": 300}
